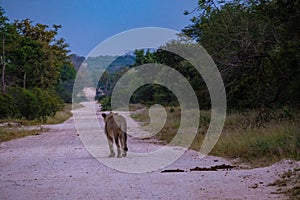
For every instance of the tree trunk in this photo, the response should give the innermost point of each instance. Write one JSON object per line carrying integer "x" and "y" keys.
{"x": 24, "y": 80}
{"x": 3, "y": 78}
{"x": 106, "y": 88}
{"x": 3, "y": 68}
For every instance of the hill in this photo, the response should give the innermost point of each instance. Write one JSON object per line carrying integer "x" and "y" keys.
{"x": 111, "y": 64}
{"x": 120, "y": 62}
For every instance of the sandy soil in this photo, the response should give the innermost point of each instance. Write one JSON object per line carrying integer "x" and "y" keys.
{"x": 56, "y": 165}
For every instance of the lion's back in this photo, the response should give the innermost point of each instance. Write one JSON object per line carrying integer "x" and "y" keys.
{"x": 116, "y": 123}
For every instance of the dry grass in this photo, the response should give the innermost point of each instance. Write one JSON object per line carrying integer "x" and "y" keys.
{"x": 6, "y": 135}
{"x": 135, "y": 107}
{"x": 241, "y": 138}
{"x": 261, "y": 146}
{"x": 61, "y": 116}
{"x": 19, "y": 128}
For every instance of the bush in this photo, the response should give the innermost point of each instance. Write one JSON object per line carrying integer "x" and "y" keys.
{"x": 34, "y": 104}
{"x": 64, "y": 90}
{"x": 48, "y": 103}
{"x": 7, "y": 106}
{"x": 105, "y": 103}
{"x": 25, "y": 102}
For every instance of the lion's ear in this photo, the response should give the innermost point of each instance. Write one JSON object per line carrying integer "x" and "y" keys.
{"x": 103, "y": 115}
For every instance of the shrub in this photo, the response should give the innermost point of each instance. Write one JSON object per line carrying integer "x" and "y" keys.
{"x": 105, "y": 103}
{"x": 48, "y": 103}
{"x": 35, "y": 103}
{"x": 64, "y": 90}
{"x": 25, "y": 102}
{"x": 7, "y": 106}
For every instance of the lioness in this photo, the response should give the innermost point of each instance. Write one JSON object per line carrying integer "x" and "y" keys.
{"x": 115, "y": 129}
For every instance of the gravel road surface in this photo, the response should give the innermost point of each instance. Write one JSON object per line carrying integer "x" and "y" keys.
{"x": 57, "y": 165}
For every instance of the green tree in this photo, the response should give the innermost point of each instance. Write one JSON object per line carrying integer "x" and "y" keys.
{"x": 40, "y": 55}
{"x": 34, "y": 62}
{"x": 254, "y": 45}
{"x": 65, "y": 84}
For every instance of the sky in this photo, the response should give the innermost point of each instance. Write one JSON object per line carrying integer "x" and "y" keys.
{"x": 87, "y": 23}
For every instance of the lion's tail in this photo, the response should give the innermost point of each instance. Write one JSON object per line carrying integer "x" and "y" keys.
{"x": 125, "y": 142}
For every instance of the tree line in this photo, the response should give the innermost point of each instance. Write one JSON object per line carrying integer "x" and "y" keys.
{"x": 255, "y": 45}
{"x": 37, "y": 75}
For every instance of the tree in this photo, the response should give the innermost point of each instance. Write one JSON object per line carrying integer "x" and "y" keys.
{"x": 34, "y": 62}
{"x": 38, "y": 56}
{"x": 65, "y": 84}
{"x": 254, "y": 46}
{"x": 3, "y": 28}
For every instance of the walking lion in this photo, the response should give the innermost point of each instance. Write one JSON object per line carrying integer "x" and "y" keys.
{"x": 115, "y": 130}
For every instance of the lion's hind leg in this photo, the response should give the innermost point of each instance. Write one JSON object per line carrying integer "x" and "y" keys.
{"x": 118, "y": 145}
{"x": 123, "y": 140}
{"x": 111, "y": 147}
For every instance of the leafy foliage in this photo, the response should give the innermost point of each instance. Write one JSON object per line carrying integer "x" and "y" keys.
{"x": 65, "y": 84}
{"x": 254, "y": 44}
{"x": 7, "y": 107}
{"x": 105, "y": 103}
{"x": 30, "y": 104}
{"x": 112, "y": 71}
{"x": 35, "y": 69}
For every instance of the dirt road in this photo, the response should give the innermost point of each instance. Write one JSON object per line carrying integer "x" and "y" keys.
{"x": 56, "y": 165}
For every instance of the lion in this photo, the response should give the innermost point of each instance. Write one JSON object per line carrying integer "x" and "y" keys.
{"x": 115, "y": 129}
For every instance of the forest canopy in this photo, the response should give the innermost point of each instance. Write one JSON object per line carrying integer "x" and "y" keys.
{"x": 255, "y": 45}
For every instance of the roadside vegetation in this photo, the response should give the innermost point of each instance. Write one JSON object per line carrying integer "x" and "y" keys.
{"x": 37, "y": 75}
{"x": 11, "y": 133}
{"x": 243, "y": 138}
{"x": 255, "y": 45}
{"x": 16, "y": 128}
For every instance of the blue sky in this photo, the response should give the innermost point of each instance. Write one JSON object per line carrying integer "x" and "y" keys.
{"x": 86, "y": 23}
